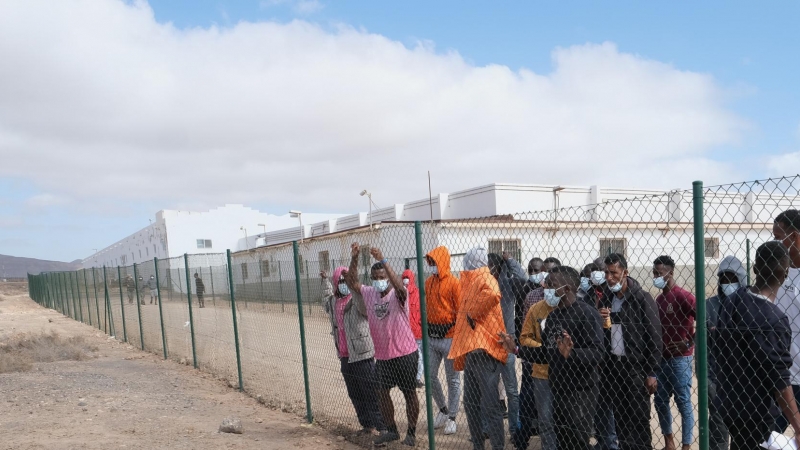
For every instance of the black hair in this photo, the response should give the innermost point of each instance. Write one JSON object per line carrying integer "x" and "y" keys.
{"x": 789, "y": 219}
{"x": 377, "y": 266}
{"x": 664, "y": 260}
{"x": 552, "y": 260}
{"x": 591, "y": 267}
{"x": 769, "y": 258}
{"x": 600, "y": 263}
{"x": 571, "y": 275}
{"x": 495, "y": 260}
{"x": 615, "y": 258}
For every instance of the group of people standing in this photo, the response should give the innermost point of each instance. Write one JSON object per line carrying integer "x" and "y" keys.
{"x": 151, "y": 285}
{"x": 595, "y": 347}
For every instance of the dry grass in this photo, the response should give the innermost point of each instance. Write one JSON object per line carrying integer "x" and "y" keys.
{"x": 13, "y": 288}
{"x": 19, "y": 352}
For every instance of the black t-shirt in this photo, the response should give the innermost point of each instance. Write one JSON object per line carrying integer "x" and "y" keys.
{"x": 582, "y": 322}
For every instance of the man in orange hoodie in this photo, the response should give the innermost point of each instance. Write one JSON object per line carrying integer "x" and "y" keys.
{"x": 477, "y": 351}
{"x": 442, "y": 294}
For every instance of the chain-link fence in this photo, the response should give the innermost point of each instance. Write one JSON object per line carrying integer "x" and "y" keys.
{"x": 566, "y": 328}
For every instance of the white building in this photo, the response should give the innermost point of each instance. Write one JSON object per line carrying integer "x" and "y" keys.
{"x": 174, "y": 233}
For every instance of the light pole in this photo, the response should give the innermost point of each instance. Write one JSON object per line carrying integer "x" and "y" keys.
{"x": 246, "y": 244}
{"x": 264, "y": 226}
{"x": 298, "y": 215}
{"x": 371, "y": 203}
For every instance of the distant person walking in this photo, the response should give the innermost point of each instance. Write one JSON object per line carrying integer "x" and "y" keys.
{"x": 153, "y": 286}
{"x": 199, "y": 289}
{"x": 130, "y": 287}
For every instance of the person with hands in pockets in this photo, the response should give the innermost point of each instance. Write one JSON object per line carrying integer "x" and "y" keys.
{"x": 386, "y": 305}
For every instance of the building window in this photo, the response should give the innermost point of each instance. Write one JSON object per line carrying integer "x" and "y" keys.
{"x": 324, "y": 261}
{"x": 244, "y": 271}
{"x": 147, "y": 251}
{"x": 124, "y": 259}
{"x": 511, "y": 246}
{"x": 614, "y": 245}
{"x": 204, "y": 243}
{"x": 711, "y": 246}
{"x": 264, "y": 268}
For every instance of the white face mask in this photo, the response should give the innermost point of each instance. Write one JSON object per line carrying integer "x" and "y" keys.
{"x": 434, "y": 270}
{"x": 616, "y": 288}
{"x": 344, "y": 290}
{"x": 550, "y": 298}
{"x": 538, "y": 278}
{"x": 405, "y": 281}
{"x": 380, "y": 285}
{"x": 598, "y": 277}
{"x": 729, "y": 289}
{"x": 659, "y": 283}
{"x": 585, "y": 284}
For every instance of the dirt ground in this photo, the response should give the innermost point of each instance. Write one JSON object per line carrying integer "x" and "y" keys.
{"x": 126, "y": 398}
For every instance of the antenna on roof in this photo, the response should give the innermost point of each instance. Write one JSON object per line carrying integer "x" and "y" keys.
{"x": 430, "y": 195}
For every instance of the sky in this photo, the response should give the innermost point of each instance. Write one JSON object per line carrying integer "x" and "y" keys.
{"x": 112, "y": 110}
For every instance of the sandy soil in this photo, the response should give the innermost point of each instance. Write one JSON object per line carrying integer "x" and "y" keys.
{"x": 132, "y": 399}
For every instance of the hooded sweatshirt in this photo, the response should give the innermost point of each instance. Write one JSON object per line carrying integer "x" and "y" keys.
{"x": 480, "y": 317}
{"x": 511, "y": 273}
{"x": 414, "y": 314}
{"x": 714, "y": 305}
{"x": 442, "y": 295}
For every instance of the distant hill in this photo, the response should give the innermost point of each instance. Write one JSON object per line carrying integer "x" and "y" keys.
{"x": 16, "y": 267}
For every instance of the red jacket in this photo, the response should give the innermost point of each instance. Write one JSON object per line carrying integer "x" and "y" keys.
{"x": 414, "y": 314}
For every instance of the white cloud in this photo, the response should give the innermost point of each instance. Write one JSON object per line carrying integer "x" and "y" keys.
{"x": 45, "y": 200}
{"x": 298, "y": 6}
{"x": 100, "y": 102}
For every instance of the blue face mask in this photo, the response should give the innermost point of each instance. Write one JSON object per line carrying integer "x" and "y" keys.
{"x": 729, "y": 289}
{"x": 598, "y": 277}
{"x": 659, "y": 283}
{"x": 380, "y": 285}
{"x": 585, "y": 284}
{"x": 434, "y": 270}
{"x": 616, "y": 288}
{"x": 550, "y": 298}
{"x": 538, "y": 278}
{"x": 344, "y": 290}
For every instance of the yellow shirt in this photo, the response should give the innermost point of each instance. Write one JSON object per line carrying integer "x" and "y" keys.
{"x": 531, "y": 335}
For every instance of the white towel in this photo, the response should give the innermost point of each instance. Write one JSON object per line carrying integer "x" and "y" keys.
{"x": 779, "y": 442}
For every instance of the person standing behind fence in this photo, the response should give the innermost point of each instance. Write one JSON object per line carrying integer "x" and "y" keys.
{"x": 572, "y": 347}
{"x": 507, "y": 271}
{"x": 354, "y": 346}
{"x": 130, "y": 288}
{"x": 477, "y": 352}
{"x": 386, "y": 304}
{"x": 786, "y": 229}
{"x": 415, "y": 318}
{"x": 199, "y": 290}
{"x": 634, "y": 354}
{"x": 731, "y": 276}
{"x": 326, "y": 288}
{"x": 752, "y": 346}
{"x": 676, "y": 310}
{"x": 442, "y": 299}
{"x": 153, "y": 287}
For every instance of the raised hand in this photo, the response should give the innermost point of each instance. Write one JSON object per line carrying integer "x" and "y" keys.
{"x": 355, "y": 250}
{"x": 376, "y": 253}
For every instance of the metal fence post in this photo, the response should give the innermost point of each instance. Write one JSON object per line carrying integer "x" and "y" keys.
{"x": 88, "y": 303}
{"x": 96, "y": 301}
{"x": 109, "y": 318}
{"x": 78, "y": 290}
{"x": 138, "y": 306}
{"x": 235, "y": 325}
{"x": 309, "y": 415}
{"x": 308, "y": 287}
{"x": 189, "y": 298}
{"x": 211, "y": 277}
{"x": 63, "y": 289}
{"x": 424, "y": 318}
{"x": 160, "y": 311}
{"x": 747, "y": 255}
{"x": 122, "y": 304}
{"x": 70, "y": 300}
{"x": 280, "y": 284}
{"x": 700, "y": 292}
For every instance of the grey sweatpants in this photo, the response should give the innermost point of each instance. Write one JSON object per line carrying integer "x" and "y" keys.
{"x": 481, "y": 399}
{"x": 439, "y": 349}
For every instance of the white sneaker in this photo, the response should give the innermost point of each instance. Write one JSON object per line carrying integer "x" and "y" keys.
{"x": 450, "y": 428}
{"x": 440, "y": 419}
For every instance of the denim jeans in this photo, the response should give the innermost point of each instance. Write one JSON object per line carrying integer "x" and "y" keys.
{"x": 605, "y": 427}
{"x": 675, "y": 378}
{"x": 528, "y": 425}
{"x": 439, "y": 349}
{"x": 481, "y": 400}
{"x": 544, "y": 407}
{"x": 509, "y": 375}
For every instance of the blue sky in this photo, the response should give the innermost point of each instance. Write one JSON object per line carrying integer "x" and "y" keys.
{"x": 127, "y": 115}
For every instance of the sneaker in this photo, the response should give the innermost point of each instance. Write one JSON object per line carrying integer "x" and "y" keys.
{"x": 450, "y": 427}
{"x": 410, "y": 440}
{"x": 385, "y": 438}
{"x": 440, "y": 419}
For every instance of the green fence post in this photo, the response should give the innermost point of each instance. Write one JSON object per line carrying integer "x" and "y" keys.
{"x": 700, "y": 293}
{"x": 189, "y": 298}
{"x": 78, "y": 290}
{"x": 109, "y": 316}
{"x": 747, "y": 255}
{"x": 70, "y": 299}
{"x": 138, "y": 304}
{"x": 213, "y": 294}
{"x": 261, "y": 279}
{"x": 63, "y": 289}
{"x": 308, "y": 287}
{"x": 88, "y": 303}
{"x": 96, "y": 301}
{"x": 424, "y": 318}
{"x": 309, "y": 416}
{"x": 235, "y": 324}
{"x": 122, "y": 304}
{"x": 280, "y": 284}
{"x": 160, "y": 311}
